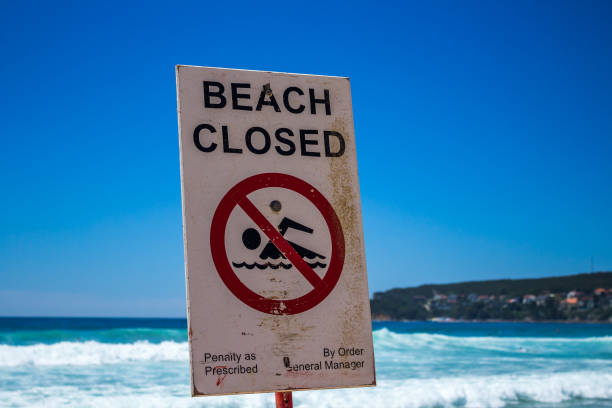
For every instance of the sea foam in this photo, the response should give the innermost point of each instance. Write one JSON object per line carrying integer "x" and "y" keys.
{"x": 385, "y": 339}
{"x": 474, "y": 392}
{"x": 415, "y": 370}
{"x": 91, "y": 353}
{"x": 387, "y": 343}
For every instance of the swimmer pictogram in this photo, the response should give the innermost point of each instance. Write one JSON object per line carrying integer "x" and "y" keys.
{"x": 252, "y": 240}
{"x": 278, "y": 252}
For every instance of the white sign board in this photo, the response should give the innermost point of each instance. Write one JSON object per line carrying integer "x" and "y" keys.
{"x": 277, "y": 293}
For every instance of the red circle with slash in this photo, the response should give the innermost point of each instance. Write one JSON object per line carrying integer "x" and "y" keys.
{"x": 237, "y": 196}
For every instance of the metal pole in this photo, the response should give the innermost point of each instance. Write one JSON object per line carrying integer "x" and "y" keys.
{"x": 284, "y": 400}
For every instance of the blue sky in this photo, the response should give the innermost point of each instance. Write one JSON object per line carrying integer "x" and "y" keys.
{"x": 484, "y": 138}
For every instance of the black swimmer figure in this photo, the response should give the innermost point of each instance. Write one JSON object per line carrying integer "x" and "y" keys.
{"x": 270, "y": 250}
{"x": 251, "y": 240}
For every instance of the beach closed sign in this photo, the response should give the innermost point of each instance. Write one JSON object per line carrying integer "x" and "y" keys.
{"x": 276, "y": 276}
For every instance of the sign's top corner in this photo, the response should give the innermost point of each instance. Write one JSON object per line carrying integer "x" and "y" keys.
{"x": 182, "y": 66}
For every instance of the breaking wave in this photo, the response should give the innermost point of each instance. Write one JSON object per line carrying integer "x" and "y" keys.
{"x": 473, "y": 392}
{"x": 414, "y": 370}
{"x": 600, "y": 347}
{"x": 388, "y": 346}
{"x": 91, "y": 353}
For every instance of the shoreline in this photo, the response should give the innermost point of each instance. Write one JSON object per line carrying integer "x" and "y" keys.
{"x": 382, "y": 320}
{"x": 378, "y": 319}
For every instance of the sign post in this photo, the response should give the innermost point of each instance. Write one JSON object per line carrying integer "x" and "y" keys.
{"x": 277, "y": 296}
{"x": 284, "y": 399}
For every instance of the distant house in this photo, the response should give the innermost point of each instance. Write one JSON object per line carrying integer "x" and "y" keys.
{"x": 529, "y": 299}
{"x": 439, "y": 297}
{"x": 571, "y": 301}
{"x": 587, "y": 302}
{"x": 600, "y": 291}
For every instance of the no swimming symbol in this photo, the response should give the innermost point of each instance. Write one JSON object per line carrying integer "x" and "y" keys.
{"x": 278, "y": 246}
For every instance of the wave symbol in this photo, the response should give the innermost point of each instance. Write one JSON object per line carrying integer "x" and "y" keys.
{"x": 262, "y": 266}
{"x": 274, "y": 266}
{"x": 317, "y": 265}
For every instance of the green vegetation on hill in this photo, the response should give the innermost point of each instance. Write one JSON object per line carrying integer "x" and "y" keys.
{"x": 575, "y": 297}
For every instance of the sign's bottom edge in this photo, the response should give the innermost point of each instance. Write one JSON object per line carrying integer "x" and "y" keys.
{"x": 196, "y": 393}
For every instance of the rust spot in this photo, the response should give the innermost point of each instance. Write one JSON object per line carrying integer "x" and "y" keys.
{"x": 289, "y": 334}
{"x": 221, "y": 378}
{"x": 267, "y": 89}
{"x": 345, "y": 201}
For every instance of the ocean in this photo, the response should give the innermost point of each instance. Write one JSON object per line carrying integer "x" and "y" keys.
{"x": 82, "y": 362}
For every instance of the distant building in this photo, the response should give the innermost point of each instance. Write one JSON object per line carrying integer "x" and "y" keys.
{"x": 571, "y": 301}
{"x": 439, "y": 296}
{"x": 587, "y": 302}
{"x": 529, "y": 299}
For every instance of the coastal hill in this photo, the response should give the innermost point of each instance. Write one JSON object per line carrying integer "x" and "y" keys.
{"x": 583, "y": 297}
